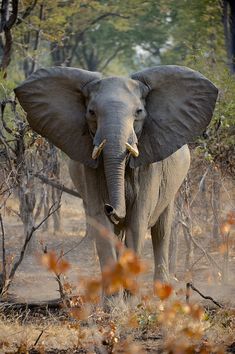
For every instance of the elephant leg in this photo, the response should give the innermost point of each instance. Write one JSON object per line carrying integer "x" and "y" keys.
{"x": 160, "y": 233}
{"x": 105, "y": 249}
{"x": 135, "y": 235}
{"x": 104, "y": 246}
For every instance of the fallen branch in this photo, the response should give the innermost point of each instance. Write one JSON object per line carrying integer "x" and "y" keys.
{"x": 57, "y": 185}
{"x": 42, "y": 305}
{"x": 190, "y": 285}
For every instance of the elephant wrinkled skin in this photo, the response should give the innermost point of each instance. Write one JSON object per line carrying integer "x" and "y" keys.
{"x": 126, "y": 139}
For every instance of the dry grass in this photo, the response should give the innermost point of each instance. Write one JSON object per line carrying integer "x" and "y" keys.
{"x": 55, "y": 335}
{"x": 135, "y": 326}
{"x": 142, "y": 324}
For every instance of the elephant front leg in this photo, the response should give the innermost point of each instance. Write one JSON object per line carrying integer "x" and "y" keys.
{"x": 160, "y": 233}
{"x": 135, "y": 235}
{"x": 100, "y": 229}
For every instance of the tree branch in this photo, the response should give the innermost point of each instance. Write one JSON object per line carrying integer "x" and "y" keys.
{"x": 37, "y": 39}
{"x": 12, "y": 19}
{"x": 207, "y": 255}
{"x": 190, "y": 285}
{"x": 4, "y": 263}
{"x": 57, "y": 185}
{"x": 27, "y": 12}
{"x": 106, "y": 63}
{"x": 99, "y": 18}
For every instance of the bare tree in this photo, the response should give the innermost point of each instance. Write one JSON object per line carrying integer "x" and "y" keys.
{"x": 228, "y": 19}
{"x": 24, "y": 159}
{"x": 9, "y": 12}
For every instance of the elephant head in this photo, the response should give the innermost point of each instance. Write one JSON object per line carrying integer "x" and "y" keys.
{"x": 103, "y": 120}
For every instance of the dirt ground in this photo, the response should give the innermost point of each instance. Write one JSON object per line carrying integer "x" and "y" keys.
{"x": 33, "y": 283}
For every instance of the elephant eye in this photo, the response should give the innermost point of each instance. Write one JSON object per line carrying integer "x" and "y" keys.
{"x": 92, "y": 121}
{"x": 92, "y": 113}
{"x": 139, "y": 111}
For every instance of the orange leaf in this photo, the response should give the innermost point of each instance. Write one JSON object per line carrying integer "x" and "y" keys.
{"x": 79, "y": 314}
{"x": 62, "y": 266}
{"x": 162, "y": 290}
{"x": 196, "y": 312}
{"x": 194, "y": 333}
{"x": 51, "y": 262}
{"x": 223, "y": 248}
{"x": 225, "y": 227}
{"x": 92, "y": 290}
{"x": 231, "y": 217}
{"x": 131, "y": 262}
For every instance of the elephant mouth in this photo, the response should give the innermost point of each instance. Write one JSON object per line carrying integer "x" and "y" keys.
{"x": 113, "y": 215}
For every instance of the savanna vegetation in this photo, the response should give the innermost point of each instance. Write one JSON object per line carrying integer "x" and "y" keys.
{"x": 50, "y": 284}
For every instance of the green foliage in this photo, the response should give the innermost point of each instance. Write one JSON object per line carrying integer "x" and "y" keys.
{"x": 133, "y": 36}
{"x": 219, "y": 146}
{"x": 197, "y": 40}
{"x": 6, "y": 87}
{"x": 196, "y": 28}
{"x": 90, "y": 34}
{"x": 118, "y": 37}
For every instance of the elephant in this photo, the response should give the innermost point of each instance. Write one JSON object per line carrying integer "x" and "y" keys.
{"x": 126, "y": 138}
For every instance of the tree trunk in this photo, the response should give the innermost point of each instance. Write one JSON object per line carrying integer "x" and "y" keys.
{"x": 228, "y": 19}
{"x": 189, "y": 244}
{"x": 27, "y": 201}
{"x": 7, "y": 22}
{"x": 215, "y": 202}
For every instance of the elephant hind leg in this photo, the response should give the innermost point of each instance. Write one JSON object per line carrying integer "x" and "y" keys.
{"x": 160, "y": 233}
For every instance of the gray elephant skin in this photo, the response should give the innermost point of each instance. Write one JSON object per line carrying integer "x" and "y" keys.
{"x": 126, "y": 139}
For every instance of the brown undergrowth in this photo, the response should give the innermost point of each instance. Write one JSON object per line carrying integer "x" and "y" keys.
{"x": 156, "y": 321}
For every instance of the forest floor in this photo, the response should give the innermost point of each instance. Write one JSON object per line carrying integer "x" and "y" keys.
{"x": 33, "y": 283}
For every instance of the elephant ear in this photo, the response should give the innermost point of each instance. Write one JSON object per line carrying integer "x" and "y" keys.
{"x": 55, "y": 107}
{"x": 179, "y": 107}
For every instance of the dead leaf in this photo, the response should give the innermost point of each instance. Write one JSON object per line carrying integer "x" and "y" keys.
{"x": 162, "y": 290}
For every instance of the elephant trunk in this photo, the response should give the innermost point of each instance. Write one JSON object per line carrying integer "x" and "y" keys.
{"x": 114, "y": 158}
{"x": 115, "y": 178}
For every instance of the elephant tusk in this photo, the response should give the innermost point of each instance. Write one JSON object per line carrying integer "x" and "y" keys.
{"x": 97, "y": 150}
{"x": 134, "y": 151}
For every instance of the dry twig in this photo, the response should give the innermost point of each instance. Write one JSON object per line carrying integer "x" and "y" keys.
{"x": 190, "y": 285}
{"x": 38, "y": 338}
{"x": 3, "y": 280}
{"x": 206, "y": 254}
